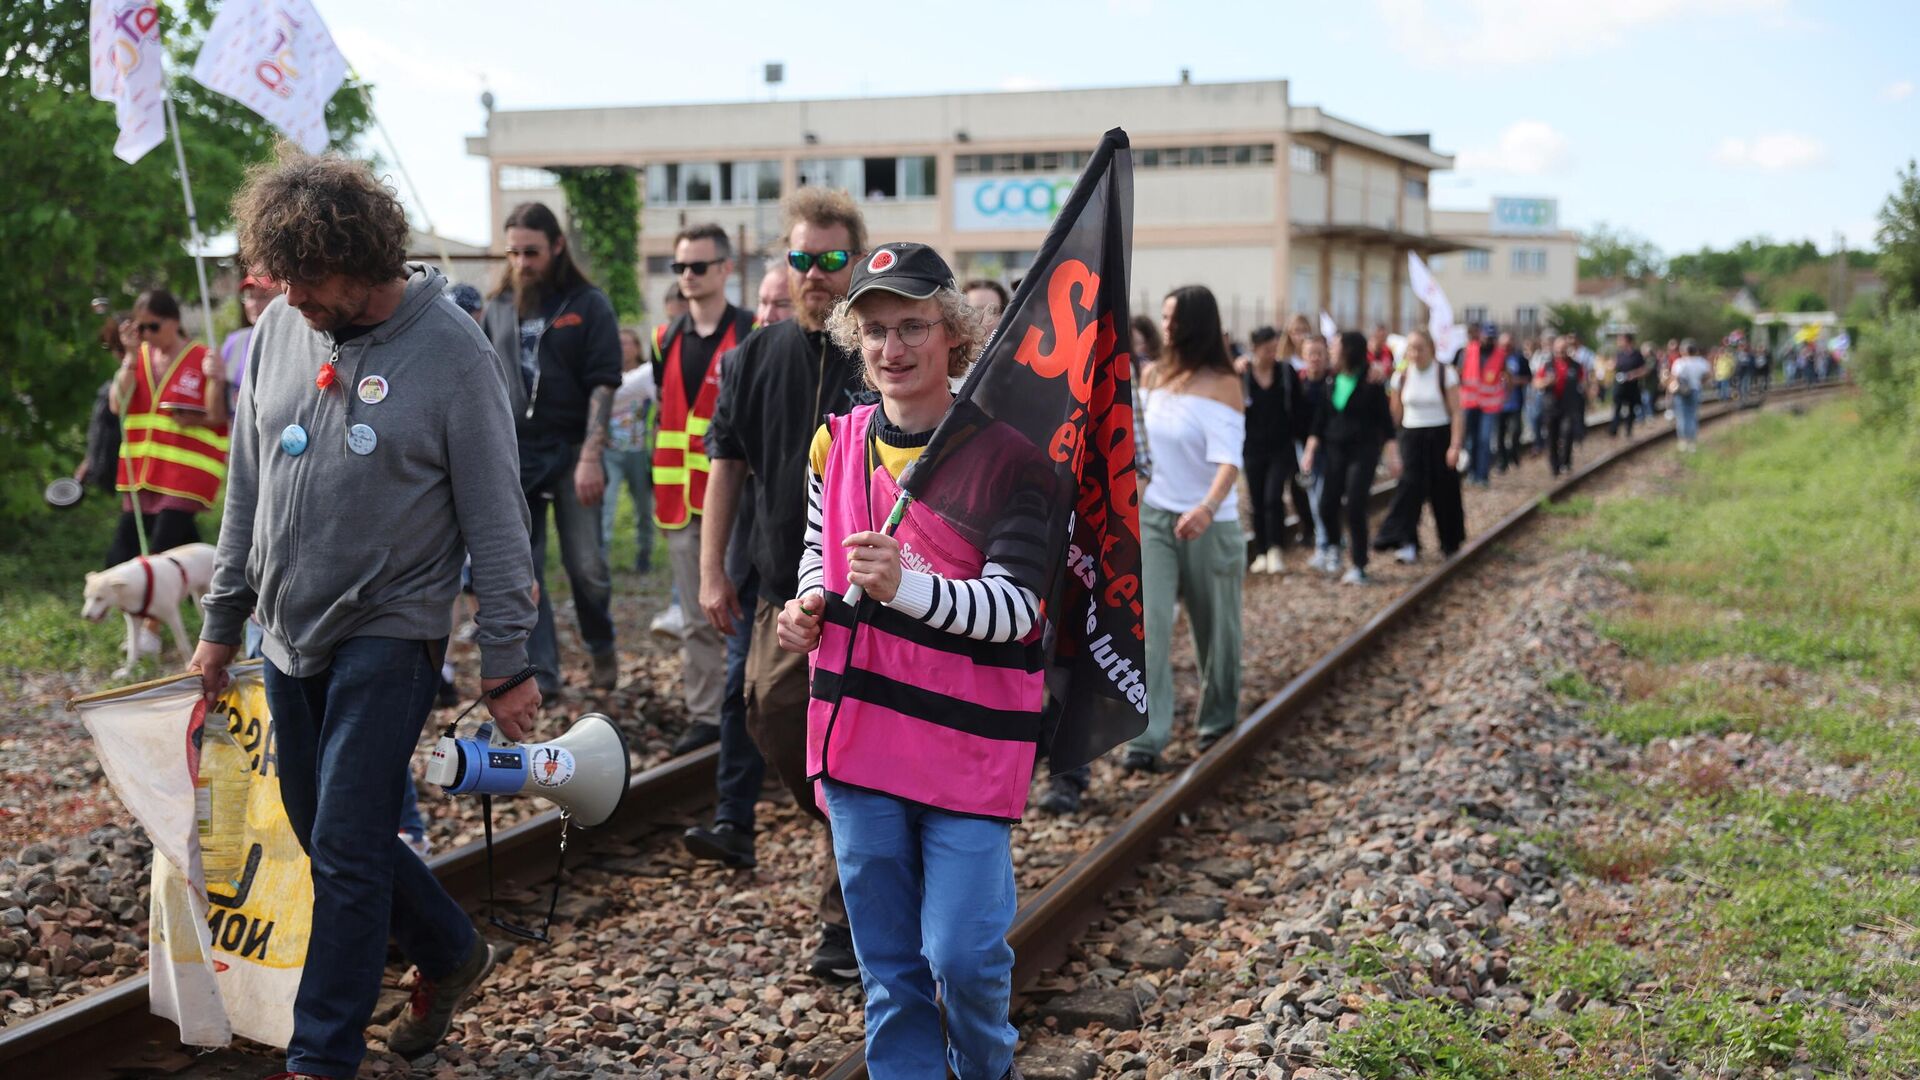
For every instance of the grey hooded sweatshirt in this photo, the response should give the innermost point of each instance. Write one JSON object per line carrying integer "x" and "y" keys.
{"x": 409, "y": 464}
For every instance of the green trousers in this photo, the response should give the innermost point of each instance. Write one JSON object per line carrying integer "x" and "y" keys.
{"x": 1206, "y": 574}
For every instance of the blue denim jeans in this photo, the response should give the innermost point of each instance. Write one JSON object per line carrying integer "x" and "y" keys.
{"x": 1686, "y": 415}
{"x": 1481, "y": 428}
{"x": 630, "y": 469}
{"x": 930, "y": 897}
{"x": 344, "y": 737}
{"x": 741, "y": 770}
{"x": 1314, "y": 482}
{"x": 546, "y": 475}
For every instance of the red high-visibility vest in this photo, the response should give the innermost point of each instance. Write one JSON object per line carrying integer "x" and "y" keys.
{"x": 680, "y": 465}
{"x": 159, "y": 453}
{"x": 1483, "y": 386}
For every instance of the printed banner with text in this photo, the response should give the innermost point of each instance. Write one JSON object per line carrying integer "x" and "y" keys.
{"x": 1042, "y": 435}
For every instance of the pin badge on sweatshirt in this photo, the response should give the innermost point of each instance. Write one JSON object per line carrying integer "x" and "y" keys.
{"x": 361, "y": 439}
{"x": 373, "y": 390}
{"x": 293, "y": 440}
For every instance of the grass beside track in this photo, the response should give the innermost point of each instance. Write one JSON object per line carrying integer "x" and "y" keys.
{"x": 1774, "y": 928}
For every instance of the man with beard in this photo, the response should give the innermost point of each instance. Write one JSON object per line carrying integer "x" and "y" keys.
{"x": 785, "y": 380}
{"x": 686, "y": 369}
{"x": 371, "y": 455}
{"x": 559, "y": 343}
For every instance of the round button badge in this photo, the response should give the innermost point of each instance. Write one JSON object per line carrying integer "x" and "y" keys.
{"x": 293, "y": 440}
{"x": 361, "y": 439}
{"x": 373, "y": 390}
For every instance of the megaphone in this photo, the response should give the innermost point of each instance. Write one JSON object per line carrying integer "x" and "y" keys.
{"x": 583, "y": 772}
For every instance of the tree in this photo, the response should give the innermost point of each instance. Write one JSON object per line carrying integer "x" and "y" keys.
{"x": 1580, "y": 320}
{"x": 1803, "y": 300}
{"x": 1683, "y": 310}
{"x": 81, "y": 224}
{"x": 1899, "y": 240}
{"x": 603, "y": 202}
{"x": 1606, "y": 252}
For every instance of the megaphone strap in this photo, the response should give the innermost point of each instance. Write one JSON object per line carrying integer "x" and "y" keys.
{"x": 553, "y": 900}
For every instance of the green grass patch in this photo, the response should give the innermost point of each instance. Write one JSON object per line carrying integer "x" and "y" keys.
{"x": 1568, "y": 683}
{"x": 1592, "y": 969}
{"x": 1572, "y": 506}
{"x": 1419, "y": 1039}
{"x": 1726, "y": 1031}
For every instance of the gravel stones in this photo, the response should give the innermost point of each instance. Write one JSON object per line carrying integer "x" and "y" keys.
{"x": 1115, "y": 1009}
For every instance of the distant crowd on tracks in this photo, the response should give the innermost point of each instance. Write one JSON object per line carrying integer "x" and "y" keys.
{"x": 387, "y": 441}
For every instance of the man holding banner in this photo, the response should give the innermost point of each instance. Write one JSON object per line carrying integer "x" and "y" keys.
{"x": 373, "y": 450}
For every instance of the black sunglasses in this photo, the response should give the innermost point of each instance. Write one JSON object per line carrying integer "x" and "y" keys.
{"x": 828, "y": 261}
{"x": 147, "y": 327}
{"x": 699, "y": 268}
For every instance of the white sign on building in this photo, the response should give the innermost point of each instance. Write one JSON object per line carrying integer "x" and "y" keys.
{"x": 996, "y": 203}
{"x": 1515, "y": 215}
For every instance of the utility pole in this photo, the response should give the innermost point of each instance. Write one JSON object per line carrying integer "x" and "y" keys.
{"x": 1837, "y": 276}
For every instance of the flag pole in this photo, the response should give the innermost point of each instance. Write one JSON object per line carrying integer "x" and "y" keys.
{"x": 439, "y": 242}
{"x": 193, "y": 222}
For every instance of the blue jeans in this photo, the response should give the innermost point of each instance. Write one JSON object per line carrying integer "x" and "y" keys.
{"x": 632, "y": 470}
{"x": 930, "y": 897}
{"x": 1686, "y": 414}
{"x": 1314, "y": 482}
{"x": 1481, "y": 427}
{"x": 344, "y": 738}
{"x": 741, "y": 770}
{"x": 546, "y": 475}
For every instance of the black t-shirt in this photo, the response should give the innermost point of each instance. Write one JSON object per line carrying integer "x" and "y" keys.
{"x": 696, "y": 352}
{"x": 775, "y": 392}
{"x": 1270, "y": 411}
{"x": 1628, "y": 364}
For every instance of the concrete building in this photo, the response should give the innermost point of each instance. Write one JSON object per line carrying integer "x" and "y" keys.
{"x": 1276, "y": 207}
{"x": 1517, "y": 262}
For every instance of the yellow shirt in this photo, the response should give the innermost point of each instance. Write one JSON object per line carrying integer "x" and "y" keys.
{"x": 894, "y": 459}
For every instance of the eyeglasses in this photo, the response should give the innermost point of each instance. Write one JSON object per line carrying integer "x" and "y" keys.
{"x": 699, "y": 269}
{"x": 147, "y": 327}
{"x": 912, "y": 332}
{"x": 829, "y": 262}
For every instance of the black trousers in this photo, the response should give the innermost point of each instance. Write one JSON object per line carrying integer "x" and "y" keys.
{"x": 1507, "y": 443}
{"x": 1626, "y": 399}
{"x": 1269, "y": 475}
{"x": 1562, "y": 422}
{"x": 166, "y": 529}
{"x": 1350, "y": 468}
{"x": 1425, "y": 479}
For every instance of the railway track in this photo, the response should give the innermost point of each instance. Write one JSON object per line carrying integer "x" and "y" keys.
{"x": 112, "y": 1030}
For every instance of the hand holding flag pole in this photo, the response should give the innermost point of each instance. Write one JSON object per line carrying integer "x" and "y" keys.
{"x": 898, "y": 514}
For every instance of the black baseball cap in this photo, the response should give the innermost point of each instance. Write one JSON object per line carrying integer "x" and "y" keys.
{"x": 914, "y": 271}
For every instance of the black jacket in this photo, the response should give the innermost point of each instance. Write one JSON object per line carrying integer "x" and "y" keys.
{"x": 579, "y": 350}
{"x": 1367, "y": 417}
{"x": 1270, "y": 413}
{"x": 775, "y": 392}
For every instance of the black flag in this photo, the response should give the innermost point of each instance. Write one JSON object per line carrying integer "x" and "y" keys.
{"x": 1036, "y": 457}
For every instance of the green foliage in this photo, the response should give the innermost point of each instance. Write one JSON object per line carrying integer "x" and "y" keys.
{"x": 1405, "y": 1040}
{"x": 1672, "y": 309}
{"x": 1749, "y": 261}
{"x": 1580, "y": 320}
{"x": 80, "y": 223}
{"x": 1593, "y": 969}
{"x": 603, "y": 202}
{"x": 1886, "y": 363}
{"x": 1608, "y": 252}
{"x": 1574, "y": 686}
{"x": 1801, "y": 300}
{"x": 1899, "y": 240}
{"x": 1729, "y": 1031}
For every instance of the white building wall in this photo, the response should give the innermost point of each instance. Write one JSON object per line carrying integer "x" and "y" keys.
{"x": 1241, "y": 279}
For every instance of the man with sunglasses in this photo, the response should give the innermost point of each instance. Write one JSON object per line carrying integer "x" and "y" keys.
{"x": 776, "y": 390}
{"x": 686, "y": 369}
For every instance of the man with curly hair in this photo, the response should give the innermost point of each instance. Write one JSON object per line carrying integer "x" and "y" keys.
{"x": 372, "y": 452}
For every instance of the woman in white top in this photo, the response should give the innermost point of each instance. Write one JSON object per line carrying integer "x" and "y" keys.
{"x": 1425, "y": 398}
{"x": 1191, "y": 545}
{"x": 1690, "y": 373}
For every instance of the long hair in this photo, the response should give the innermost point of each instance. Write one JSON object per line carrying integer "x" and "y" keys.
{"x": 1149, "y": 332}
{"x": 1299, "y": 324}
{"x": 1353, "y": 353}
{"x": 303, "y": 218}
{"x": 563, "y": 274}
{"x": 1198, "y": 343}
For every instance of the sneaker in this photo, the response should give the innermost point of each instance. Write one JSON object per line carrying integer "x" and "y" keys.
{"x": 1204, "y": 742}
{"x": 1275, "y": 564}
{"x": 695, "y": 737}
{"x": 1258, "y": 566}
{"x": 1408, "y": 554}
{"x": 670, "y": 624}
{"x": 1356, "y": 576}
{"x": 606, "y": 671}
{"x": 1330, "y": 560}
{"x": 725, "y": 843}
{"x": 429, "y": 1012}
{"x": 1139, "y": 761}
{"x": 1062, "y": 797}
{"x": 419, "y": 845}
{"x": 834, "y": 960}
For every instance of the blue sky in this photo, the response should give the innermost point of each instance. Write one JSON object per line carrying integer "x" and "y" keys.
{"x": 1689, "y": 121}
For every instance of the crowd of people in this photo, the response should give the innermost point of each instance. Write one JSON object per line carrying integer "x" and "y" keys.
{"x": 405, "y": 441}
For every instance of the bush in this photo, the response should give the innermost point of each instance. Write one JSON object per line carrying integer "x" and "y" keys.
{"x": 1886, "y": 363}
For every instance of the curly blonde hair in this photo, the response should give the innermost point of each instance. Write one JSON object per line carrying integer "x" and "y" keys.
{"x": 964, "y": 330}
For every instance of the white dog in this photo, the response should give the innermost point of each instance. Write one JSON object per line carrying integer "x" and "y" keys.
{"x": 151, "y": 587}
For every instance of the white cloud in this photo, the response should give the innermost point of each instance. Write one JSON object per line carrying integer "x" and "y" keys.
{"x": 1526, "y": 148}
{"x": 1897, "y": 91}
{"x": 1775, "y": 151}
{"x": 1511, "y": 32}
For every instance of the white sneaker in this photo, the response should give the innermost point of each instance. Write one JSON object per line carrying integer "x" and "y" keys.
{"x": 670, "y": 624}
{"x": 1355, "y": 576}
{"x": 1330, "y": 561}
{"x": 1259, "y": 565}
{"x": 1275, "y": 564}
{"x": 1408, "y": 554}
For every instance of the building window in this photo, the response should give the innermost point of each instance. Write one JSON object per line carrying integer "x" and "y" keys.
{"x": 1529, "y": 260}
{"x": 1475, "y": 314}
{"x": 1437, "y": 263}
{"x": 916, "y": 177}
{"x": 1379, "y": 299}
{"x": 749, "y": 182}
{"x": 875, "y": 177}
{"x": 1527, "y": 315}
{"x": 1416, "y": 189}
{"x": 521, "y": 178}
{"x": 1306, "y": 288}
{"x": 1305, "y": 159}
{"x": 1477, "y": 262}
{"x": 1346, "y": 297}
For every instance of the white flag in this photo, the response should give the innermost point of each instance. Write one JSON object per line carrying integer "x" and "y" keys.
{"x": 1448, "y": 337}
{"x": 1329, "y": 330}
{"x": 127, "y": 70}
{"x": 276, "y": 58}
